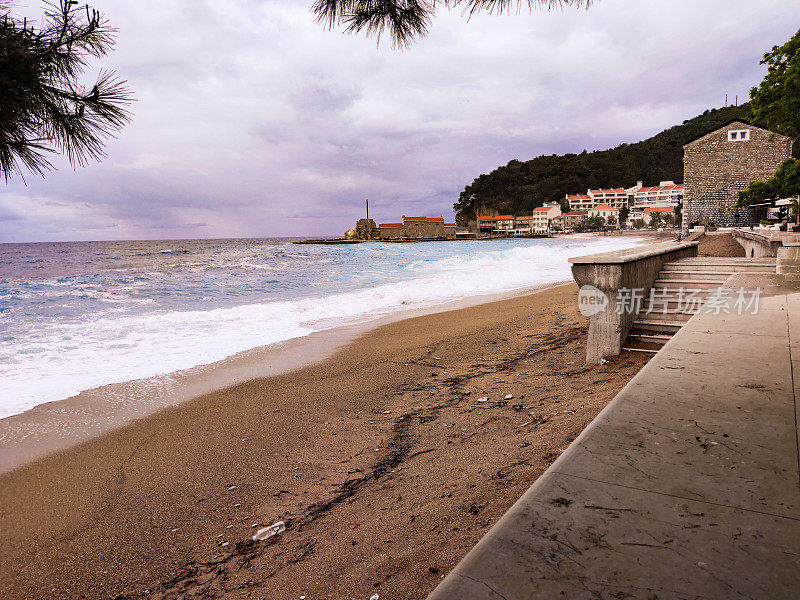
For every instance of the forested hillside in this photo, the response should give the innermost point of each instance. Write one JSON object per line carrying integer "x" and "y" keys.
{"x": 519, "y": 187}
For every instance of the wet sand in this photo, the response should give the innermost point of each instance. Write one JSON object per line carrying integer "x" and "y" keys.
{"x": 382, "y": 460}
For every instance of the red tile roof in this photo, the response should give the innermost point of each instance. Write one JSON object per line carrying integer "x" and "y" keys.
{"x": 543, "y": 208}
{"x": 661, "y": 188}
{"x": 575, "y": 213}
{"x": 525, "y": 218}
{"x": 390, "y": 225}
{"x": 658, "y": 209}
{"x": 449, "y": 224}
{"x": 604, "y": 207}
{"x": 405, "y": 218}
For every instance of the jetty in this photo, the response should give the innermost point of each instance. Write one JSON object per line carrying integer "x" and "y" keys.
{"x": 687, "y": 485}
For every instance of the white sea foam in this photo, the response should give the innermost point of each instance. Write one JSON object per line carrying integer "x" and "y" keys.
{"x": 62, "y": 359}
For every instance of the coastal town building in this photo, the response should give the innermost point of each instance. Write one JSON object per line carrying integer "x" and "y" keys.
{"x": 666, "y": 193}
{"x": 497, "y": 224}
{"x": 543, "y": 215}
{"x": 523, "y": 225}
{"x": 417, "y": 228}
{"x": 574, "y": 218}
{"x": 606, "y": 212}
{"x": 720, "y": 164}
{"x": 637, "y": 197}
{"x": 580, "y": 202}
{"x": 666, "y": 215}
{"x": 617, "y": 198}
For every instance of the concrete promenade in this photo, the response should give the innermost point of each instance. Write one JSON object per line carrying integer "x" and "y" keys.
{"x": 686, "y": 486}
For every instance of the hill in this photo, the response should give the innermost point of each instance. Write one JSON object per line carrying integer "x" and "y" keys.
{"x": 519, "y": 187}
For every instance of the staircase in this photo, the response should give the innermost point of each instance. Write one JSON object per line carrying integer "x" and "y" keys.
{"x": 678, "y": 294}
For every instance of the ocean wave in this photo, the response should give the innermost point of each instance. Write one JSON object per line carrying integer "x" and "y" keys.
{"x": 118, "y": 345}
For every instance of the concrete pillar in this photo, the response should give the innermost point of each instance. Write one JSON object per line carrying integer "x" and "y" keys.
{"x": 619, "y": 277}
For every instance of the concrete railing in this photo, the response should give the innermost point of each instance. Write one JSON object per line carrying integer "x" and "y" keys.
{"x": 613, "y": 274}
{"x": 757, "y": 244}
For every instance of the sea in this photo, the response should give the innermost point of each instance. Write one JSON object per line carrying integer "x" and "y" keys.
{"x": 78, "y": 315}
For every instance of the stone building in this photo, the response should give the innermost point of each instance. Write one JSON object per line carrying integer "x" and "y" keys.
{"x": 575, "y": 218}
{"x": 417, "y": 228}
{"x": 496, "y": 224}
{"x": 718, "y": 165}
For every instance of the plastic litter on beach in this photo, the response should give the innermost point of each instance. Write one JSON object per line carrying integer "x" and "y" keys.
{"x": 483, "y": 399}
{"x": 374, "y": 597}
{"x": 231, "y": 488}
{"x": 509, "y": 396}
{"x": 266, "y": 532}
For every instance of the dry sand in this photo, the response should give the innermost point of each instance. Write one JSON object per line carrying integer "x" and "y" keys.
{"x": 383, "y": 461}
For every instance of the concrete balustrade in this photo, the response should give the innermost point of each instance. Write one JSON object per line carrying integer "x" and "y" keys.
{"x": 616, "y": 273}
{"x": 757, "y": 244}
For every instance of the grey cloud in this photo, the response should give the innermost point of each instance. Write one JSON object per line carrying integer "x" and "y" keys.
{"x": 252, "y": 120}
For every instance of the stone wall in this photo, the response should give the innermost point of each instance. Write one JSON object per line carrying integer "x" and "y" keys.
{"x": 716, "y": 170}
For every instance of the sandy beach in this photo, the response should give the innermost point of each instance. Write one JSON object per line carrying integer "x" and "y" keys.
{"x": 384, "y": 462}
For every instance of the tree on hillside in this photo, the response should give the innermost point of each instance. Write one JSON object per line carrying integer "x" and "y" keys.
{"x": 550, "y": 178}
{"x": 405, "y": 20}
{"x": 776, "y": 101}
{"x": 44, "y": 107}
{"x": 784, "y": 184}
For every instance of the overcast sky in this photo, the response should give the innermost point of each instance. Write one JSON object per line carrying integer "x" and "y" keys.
{"x": 253, "y": 120}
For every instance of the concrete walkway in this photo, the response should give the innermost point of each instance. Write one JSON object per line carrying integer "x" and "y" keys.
{"x": 686, "y": 486}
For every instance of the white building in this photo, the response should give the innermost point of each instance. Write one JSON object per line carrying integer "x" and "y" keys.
{"x": 543, "y": 215}
{"x": 605, "y": 211}
{"x": 666, "y": 193}
{"x": 617, "y": 197}
{"x": 580, "y": 202}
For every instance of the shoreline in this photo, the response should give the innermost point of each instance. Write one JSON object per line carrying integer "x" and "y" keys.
{"x": 368, "y": 456}
{"x": 58, "y": 425}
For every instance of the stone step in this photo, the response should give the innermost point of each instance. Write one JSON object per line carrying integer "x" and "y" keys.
{"x": 672, "y": 315}
{"x": 720, "y": 276}
{"x": 647, "y": 350}
{"x": 721, "y": 267}
{"x": 734, "y": 260}
{"x": 686, "y": 280}
{"x": 657, "y": 325}
{"x": 653, "y": 338}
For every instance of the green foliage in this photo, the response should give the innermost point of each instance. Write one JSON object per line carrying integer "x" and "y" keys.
{"x": 527, "y": 185}
{"x": 655, "y": 220}
{"x": 44, "y": 107}
{"x": 623, "y": 215}
{"x": 785, "y": 183}
{"x": 776, "y": 101}
{"x": 405, "y": 20}
{"x": 595, "y": 222}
